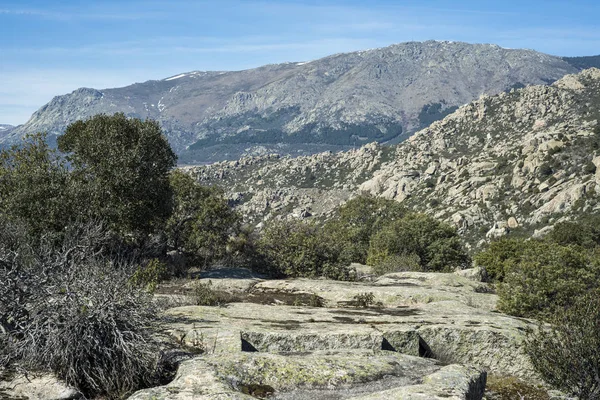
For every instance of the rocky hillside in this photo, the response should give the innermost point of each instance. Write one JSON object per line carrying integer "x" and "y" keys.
{"x": 5, "y": 130}
{"x": 517, "y": 161}
{"x": 337, "y": 102}
{"x": 584, "y": 62}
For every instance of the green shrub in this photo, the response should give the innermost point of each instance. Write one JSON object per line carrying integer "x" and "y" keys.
{"x": 110, "y": 168}
{"x": 567, "y": 355}
{"x": 204, "y": 295}
{"x": 34, "y": 186}
{"x": 355, "y": 222}
{"x": 398, "y": 263}
{"x": 498, "y": 256}
{"x": 120, "y": 171}
{"x": 585, "y": 233}
{"x": 435, "y": 243}
{"x": 296, "y": 249}
{"x": 547, "y": 277}
{"x": 148, "y": 276}
{"x": 363, "y": 300}
{"x": 589, "y": 168}
{"x": 545, "y": 170}
{"x": 202, "y": 224}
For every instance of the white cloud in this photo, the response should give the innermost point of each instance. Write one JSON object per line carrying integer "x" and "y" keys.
{"x": 70, "y": 14}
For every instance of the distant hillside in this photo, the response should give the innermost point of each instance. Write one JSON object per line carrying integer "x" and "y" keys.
{"x": 337, "y": 102}
{"x": 582, "y": 63}
{"x": 5, "y": 130}
{"x": 513, "y": 162}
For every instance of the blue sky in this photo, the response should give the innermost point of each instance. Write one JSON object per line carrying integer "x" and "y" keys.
{"x": 51, "y": 47}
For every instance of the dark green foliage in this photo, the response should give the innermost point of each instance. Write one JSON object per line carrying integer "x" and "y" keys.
{"x": 364, "y": 300}
{"x": 120, "y": 166}
{"x": 34, "y": 186}
{"x": 499, "y": 256}
{"x": 584, "y": 62}
{"x": 204, "y": 295}
{"x": 356, "y": 221}
{"x": 149, "y": 275}
{"x": 545, "y": 170}
{"x": 265, "y": 129}
{"x": 202, "y": 222}
{"x": 589, "y": 168}
{"x": 567, "y": 355}
{"x": 547, "y": 277}
{"x": 537, "y": 277}
{"x": 585, "y": 233}
{"x": 297, "y": 249}
{"x": 435, "y": 243}
{"x": 433, "y": 112}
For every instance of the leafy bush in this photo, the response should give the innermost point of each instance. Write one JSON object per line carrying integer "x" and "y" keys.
{"x": 202, "y": 223}
{"x": 398, "y": 263}
{"x": 589, "y": 168}
{"x": 204, "y": 295}
{"x": 33, "y": 186}
{"x": 296, "y": 249}
{"x": 112, "y": 168}
{"x": 355, "y": 222}
{"x": 435, "y": 243}
{"x": 120, "y": 171}
{"x": 546, "y": 277}
{"x": 567, "y": 355}
{"x": 148, "y": 276}
{"x": 74, "y": 311}
{"x": 585, "y": 233}
{"x": 499, "y": 256}
{"x": 315, "y": 301}
{"x": 363, "y": 300}
{"x": 545, "y": 170}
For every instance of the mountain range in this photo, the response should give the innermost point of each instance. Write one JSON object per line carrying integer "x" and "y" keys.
{"x": 334, "y": 103}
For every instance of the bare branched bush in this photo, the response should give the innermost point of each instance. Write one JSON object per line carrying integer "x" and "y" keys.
{"x": 73, "y": 309}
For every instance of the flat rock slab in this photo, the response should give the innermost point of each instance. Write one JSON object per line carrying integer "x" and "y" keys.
{"x": 403, "y": 288}
{"x": 448, "y": 330}
{"x": 322, "y": 375}
{"x": 37, "y": 387}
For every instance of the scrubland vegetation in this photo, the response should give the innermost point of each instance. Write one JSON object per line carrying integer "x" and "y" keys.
{"x": 89, "y": 230}
{"x": 555, "y": 280}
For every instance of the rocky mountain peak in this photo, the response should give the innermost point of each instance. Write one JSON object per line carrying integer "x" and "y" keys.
{"x": 337, "y": 102}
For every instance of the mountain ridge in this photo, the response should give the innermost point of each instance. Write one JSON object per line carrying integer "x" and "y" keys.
{"x": 341, "y": 101}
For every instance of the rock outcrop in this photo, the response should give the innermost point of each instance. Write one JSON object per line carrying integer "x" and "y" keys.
{"x": 36, "y": 387}
{"x": 316, "y": 376}
{"x": 520, "y": 160}
{"x": 423, "y": 336}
